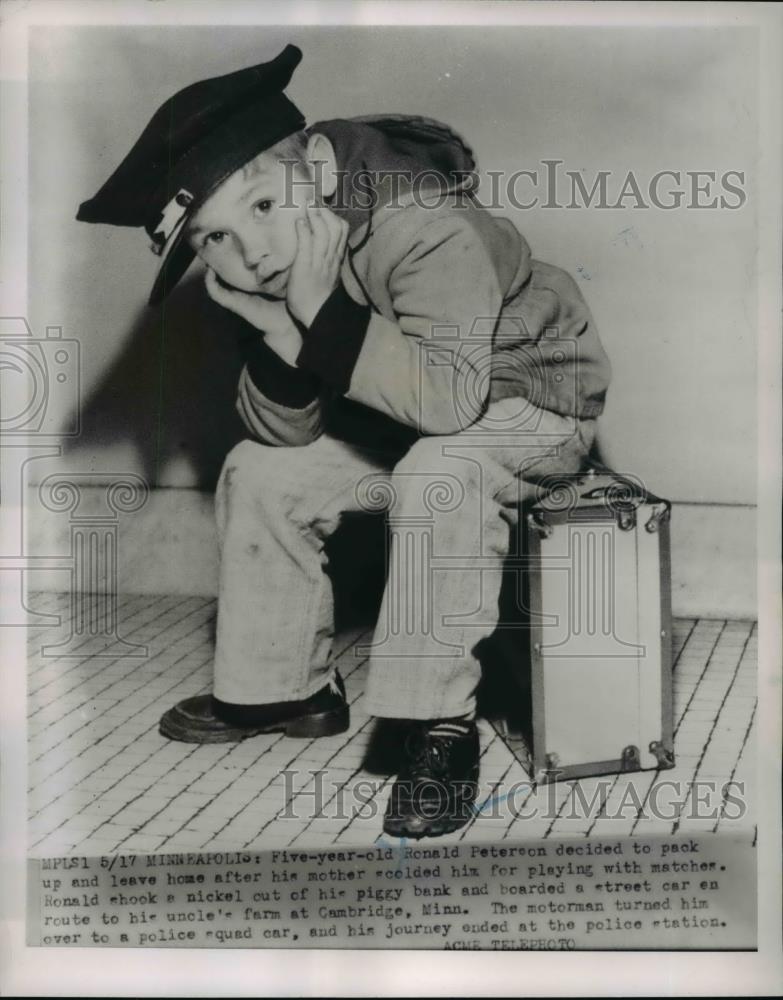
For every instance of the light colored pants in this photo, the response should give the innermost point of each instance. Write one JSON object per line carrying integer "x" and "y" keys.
{"x": 277, "y": 506}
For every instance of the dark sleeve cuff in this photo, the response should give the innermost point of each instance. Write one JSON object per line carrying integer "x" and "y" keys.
{"x": 277, "y": 380}
{"x": 334, "y": 340}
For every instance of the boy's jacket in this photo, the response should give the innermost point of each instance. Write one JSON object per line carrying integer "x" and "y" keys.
{"x": 462, "y": 315}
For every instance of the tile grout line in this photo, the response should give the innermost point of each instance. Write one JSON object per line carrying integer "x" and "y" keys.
{"x": 726, "y": 694}
{"x": 96, "y": 694}
{"x": 658, "y": 771}
{"x": 730, "y": 780}
{"x": 82, "y": 661}
{"x": 101, "y": 738}
{"x": 111, "y": 660}
{"x": 120, "y": 779}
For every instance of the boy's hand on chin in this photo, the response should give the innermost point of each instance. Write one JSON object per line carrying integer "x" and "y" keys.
{"x": 271, "y": 318}
{"x": 322, "y": 237}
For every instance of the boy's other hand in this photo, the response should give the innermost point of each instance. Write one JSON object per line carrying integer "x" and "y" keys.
{"x": 271, "y": 318}
{"x": 315, "y": 272}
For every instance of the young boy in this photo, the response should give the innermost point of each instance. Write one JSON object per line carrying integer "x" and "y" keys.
{"x": 407, "y": 355}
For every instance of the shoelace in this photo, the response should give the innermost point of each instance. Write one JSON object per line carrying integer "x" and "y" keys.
{"x": 428, "y": 748}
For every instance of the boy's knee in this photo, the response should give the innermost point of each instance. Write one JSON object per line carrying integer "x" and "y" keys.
{"x": 432, "y": 475}
{"x": 258, "y": 467}
{"x": 441, "y": 458}
{"x": 248, "y": 458}
{"x": 429, "y": 455}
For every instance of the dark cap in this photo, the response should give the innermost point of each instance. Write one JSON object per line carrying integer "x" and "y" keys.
{"x": 193, "y": 142}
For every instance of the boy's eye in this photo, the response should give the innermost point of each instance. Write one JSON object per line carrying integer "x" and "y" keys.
{"x": 263, "y": 207}
{"x": 215, "y": 239}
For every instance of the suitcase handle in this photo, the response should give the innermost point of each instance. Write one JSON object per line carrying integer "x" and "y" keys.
{"x": 625, "y": 504}
{"x": 622, "y": 495}
{"x": 624, "y": 491}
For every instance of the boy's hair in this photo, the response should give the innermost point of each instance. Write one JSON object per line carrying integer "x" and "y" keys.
{"x": 293, "y": 147}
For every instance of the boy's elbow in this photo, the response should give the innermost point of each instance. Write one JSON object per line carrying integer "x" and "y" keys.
{"x": 454, "y": 410}
{"x": 451, "y": 422}
{"x": 271, "y": 429}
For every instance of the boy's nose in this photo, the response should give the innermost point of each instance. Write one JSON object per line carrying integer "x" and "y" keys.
{"x": 254, "y": 254}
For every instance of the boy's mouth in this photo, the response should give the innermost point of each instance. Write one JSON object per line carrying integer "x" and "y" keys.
{"x": 275, "y": 274}
{"x": 273, "y": 281}
{"x": 266, "y": 286}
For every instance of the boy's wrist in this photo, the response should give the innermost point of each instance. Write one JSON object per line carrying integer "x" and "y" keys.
{"x": 334, "y": 339}
{"x": 306, "y": 314}
{"x": 276, "y": 379}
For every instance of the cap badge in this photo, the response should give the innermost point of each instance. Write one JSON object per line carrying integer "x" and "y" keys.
{"x": 171, "y": 219}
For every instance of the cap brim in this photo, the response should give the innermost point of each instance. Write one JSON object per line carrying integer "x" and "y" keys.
{"x": 178, "y": 259}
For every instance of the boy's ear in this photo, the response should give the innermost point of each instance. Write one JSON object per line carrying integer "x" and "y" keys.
{"x": 322, "y": 164}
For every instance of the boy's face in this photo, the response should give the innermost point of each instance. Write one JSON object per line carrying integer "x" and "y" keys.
{"x": 242, "y": 231}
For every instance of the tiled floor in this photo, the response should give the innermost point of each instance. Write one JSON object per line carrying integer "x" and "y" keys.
{"x": 102, "y": 779}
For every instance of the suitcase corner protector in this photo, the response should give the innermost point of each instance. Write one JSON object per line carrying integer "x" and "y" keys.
{"x": 664, "y": 755}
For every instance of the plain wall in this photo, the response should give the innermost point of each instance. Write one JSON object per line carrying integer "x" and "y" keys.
{"x": 673, "y": 292}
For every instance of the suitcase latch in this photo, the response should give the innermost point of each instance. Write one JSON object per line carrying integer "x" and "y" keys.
{"x": 630, "y": 759}
{"x": 552, "y": 761}
{"x": 658, "y": 516}
{"x": 550, "y": 770}
{"x": 664, "y": 756}
{"x": 538, "y": 523}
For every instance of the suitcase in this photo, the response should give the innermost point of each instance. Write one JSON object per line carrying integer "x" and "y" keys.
{"x": 593, "y": 694}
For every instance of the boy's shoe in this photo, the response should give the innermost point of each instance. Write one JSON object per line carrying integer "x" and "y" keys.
{"x": 205, "y": 719}
{"x": 436, "y": 789}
